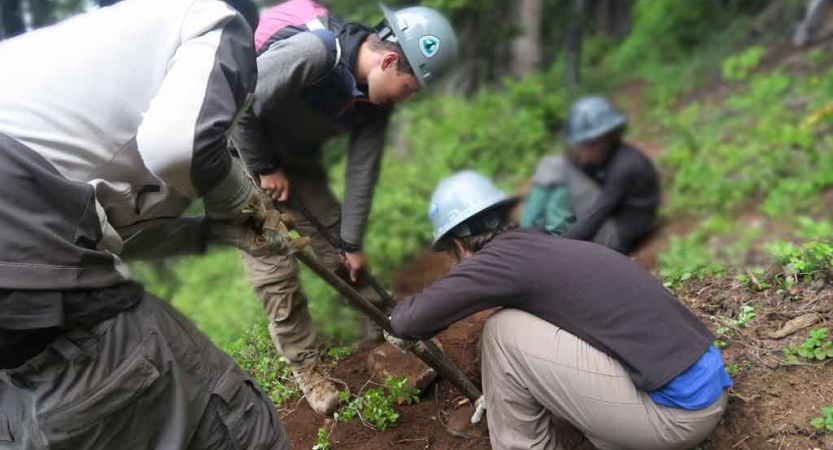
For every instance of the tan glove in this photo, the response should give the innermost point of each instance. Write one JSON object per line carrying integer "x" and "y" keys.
{"x": 256, "y": 243}
{"x": 271, "y": 237}
{"x": 243, "y": 216}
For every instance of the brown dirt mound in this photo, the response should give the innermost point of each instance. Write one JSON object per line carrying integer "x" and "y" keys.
{"x": 770, "y": 407}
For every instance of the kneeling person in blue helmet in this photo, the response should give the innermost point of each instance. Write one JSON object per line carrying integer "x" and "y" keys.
{"x": 319, "y": 79}
{"x": 602, "y": 190}
{"x": 585, "y": 339}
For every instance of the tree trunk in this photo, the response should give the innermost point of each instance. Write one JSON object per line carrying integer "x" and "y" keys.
{"x": 809, "y": 27}
{"x": 471, "y": 66}
{"x": 43, "y": 12}
{"x": 575, "y": 29}
{"x": 613, "y": 17}
{"x": 525, "y": 48}
{"x": 11, "y": 19}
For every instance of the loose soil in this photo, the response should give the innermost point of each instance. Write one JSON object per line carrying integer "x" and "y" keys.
{"x": 770, "y": 406}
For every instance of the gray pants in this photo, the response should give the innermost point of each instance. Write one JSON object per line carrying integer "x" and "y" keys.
{"x": 145, "y": 379}
{"x": 583, "y": 193}
{"x": 623, "y": 230}
{"x": 542, "y": 383}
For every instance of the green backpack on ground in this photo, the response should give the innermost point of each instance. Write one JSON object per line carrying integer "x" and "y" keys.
{"x": 548, "y": 206}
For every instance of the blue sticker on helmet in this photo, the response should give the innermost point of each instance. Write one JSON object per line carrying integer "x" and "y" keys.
{"x": 433, "y": 210}
{"x": 429, "y": 45}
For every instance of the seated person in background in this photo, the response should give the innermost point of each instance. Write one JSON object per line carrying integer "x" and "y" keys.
{"x": 586, "y": 338}
{"x": 603, "y": 190}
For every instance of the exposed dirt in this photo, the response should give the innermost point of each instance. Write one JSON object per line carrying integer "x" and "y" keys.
{"x": 422, "y": 425}
{"x": 770, "y": 407}
{"x": 772, "y": 402}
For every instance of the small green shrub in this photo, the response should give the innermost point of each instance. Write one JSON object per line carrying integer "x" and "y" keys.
{"x": 322, "y": 441}
{"x": 817, "y": 346}
{"x": 375, "y": 407}
{"x": 802, "y": 260}
{"x": 256, "y": 353}
{"x": 738, "y": 67}
{"x": 734, "y": 369}
{"x": 691, "y": 256}
{"x": 824, "y": 423}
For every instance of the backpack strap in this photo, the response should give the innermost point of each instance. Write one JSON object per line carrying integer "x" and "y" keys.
{"x": 331, "y": 42}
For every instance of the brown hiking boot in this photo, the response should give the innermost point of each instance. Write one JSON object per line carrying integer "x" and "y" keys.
{"x": 319, "y": 390}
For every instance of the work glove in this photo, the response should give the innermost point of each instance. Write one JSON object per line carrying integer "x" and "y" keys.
{"x": 268, "y": 240}
{"x": 236, "y": 199}
{"x": 242, "y": 216}
{"x": 401, "y": 344}
{"x": 479, "y": 410}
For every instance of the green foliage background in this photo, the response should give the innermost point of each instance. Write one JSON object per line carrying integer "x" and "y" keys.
{"x": 754, "y": 147}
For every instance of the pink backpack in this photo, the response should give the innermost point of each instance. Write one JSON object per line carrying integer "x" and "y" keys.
{"x": 287, "y": 19}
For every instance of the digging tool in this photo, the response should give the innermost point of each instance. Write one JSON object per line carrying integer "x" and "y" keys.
{"x": 365, "y": 276}
{"x": 424, "y": 350}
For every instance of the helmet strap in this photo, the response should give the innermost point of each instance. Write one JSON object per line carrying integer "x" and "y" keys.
{"x": 385, "y": 32}
{"x": 481, "y": 223}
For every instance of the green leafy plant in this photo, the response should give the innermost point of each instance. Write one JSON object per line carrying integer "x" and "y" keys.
{"x": 746, "y": 314}
{"x": 378, "y": 410}
{"x": 734, "y": 369}
{"x": 690, "y": 256}
{"x": 812, "y": 230}
{"x": 817, "y": 346}
{"x": 802, "y": 260}
{"x": 400, "y": 391}
{"x": 721, "y": 333}
{"x": 738, "y": 67}
{"x": 350, "y": 409}
{"x": 752, "y": 147}
{"x": 340, "y": 353}
{"x": 375, "y": 407}
{"x": 825, "y": 422}
{"x": 754, "y": 279}
{"x": 256, "y": 353}
{"x": 322, "y": 441}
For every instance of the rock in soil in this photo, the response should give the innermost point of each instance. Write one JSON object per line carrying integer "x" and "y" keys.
{"x": 388, "y": 361}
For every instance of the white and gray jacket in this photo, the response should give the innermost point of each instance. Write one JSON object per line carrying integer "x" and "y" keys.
{"x": 136, "y": 100}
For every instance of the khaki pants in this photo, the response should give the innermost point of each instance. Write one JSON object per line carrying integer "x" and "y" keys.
{"x": 541, "y": 383}
{"x": 145, "y": 379}
{"x": 275, "y": 279}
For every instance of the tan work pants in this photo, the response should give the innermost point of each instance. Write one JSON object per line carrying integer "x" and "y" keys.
{"x": 275, "y": 279}
{"x": 541, "y": 383}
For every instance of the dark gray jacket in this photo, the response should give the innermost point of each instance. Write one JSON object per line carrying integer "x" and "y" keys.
{"x": 49, "y": 227}
{"x": 596, "y": 294}
{"x": 304, "y": 98}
